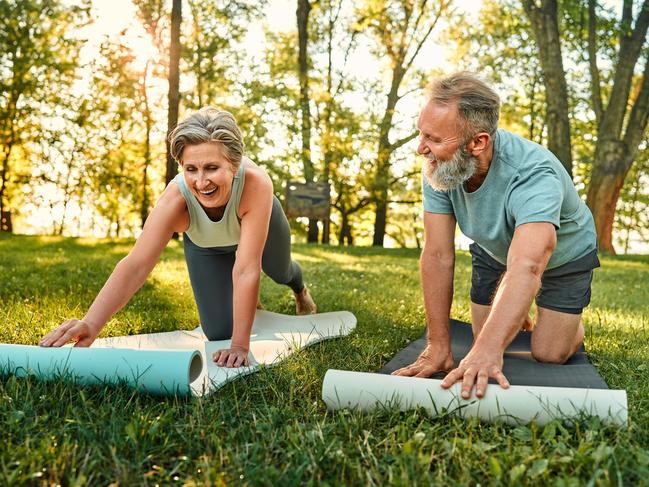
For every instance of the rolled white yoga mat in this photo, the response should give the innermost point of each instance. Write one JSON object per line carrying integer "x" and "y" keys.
{"x": 154, "y": 371}
{"x": 516, "y": 405}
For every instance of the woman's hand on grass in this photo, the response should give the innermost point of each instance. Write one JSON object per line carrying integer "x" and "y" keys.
{"x": 72, "y": 330}
{"x": 433, "y": 359}
{"x": 231, "y": 357}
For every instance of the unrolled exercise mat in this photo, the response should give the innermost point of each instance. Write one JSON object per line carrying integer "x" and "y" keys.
{"x": 274, "y": 337}
{"x": 518, "y": 365}
{"x": 516, "y": 405}
{"x": 152, "y": 371}
{"x": 539, "y": 391}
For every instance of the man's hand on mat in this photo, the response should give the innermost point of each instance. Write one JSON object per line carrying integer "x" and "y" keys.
{"x": 72, "y": 330}
{"x": 231, "y": 357}
{"x": 475, "y": 370}
{"x": 432, "y": 359}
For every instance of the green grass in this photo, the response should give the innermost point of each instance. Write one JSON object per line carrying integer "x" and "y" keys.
{"x": 272, "y": 428}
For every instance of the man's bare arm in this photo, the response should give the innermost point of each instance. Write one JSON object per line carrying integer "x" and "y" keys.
{"x": 529, "y": 253}
{"x": 436, "y": 265}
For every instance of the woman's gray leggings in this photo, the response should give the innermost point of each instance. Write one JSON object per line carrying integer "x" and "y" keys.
{"x": 210, "y": 272}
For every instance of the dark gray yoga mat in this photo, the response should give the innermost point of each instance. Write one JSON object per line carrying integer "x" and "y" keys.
{"x": 519, "y": 366}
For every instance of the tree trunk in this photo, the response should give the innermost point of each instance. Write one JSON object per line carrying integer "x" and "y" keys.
{"x": 7, "y": 146}
{"x": 345, "y": 235}
{"x": 604, "y": 190}
{"x": 380, "y": 218}
{"x": 382, "y": 175}
{"x": 174, "y": 84}
{"x": 302, "y": 13}
{"x": 144, "y": 209}
{"x": 545, "y": 25}
{"x": 4, "y": 172}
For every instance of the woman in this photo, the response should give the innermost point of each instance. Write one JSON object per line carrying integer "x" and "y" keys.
{"x": 233, "y": 228}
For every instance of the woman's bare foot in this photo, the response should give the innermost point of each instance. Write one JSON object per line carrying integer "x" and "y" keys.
{"x": 528, "y": 324}
{"x": 304, "y": 304}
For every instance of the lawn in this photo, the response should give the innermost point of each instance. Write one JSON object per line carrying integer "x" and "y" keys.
{"x": 272, "y": 428}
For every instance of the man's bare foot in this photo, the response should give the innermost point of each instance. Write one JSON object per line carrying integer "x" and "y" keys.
{"x": 304, "y": 304}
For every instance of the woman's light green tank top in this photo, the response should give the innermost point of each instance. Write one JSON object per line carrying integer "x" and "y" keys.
{"x": 205, "y": 232}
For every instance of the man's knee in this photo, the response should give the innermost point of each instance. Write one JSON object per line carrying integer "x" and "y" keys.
{"x": 549, "y": 355}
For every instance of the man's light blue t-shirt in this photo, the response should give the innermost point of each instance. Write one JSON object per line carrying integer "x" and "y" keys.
{"x": 525, "y": 183}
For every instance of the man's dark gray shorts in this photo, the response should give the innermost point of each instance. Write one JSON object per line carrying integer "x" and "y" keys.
{"x": 565, "y": 288}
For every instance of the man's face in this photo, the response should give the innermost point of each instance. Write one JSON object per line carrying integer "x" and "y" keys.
{"x": 447, "y": 163}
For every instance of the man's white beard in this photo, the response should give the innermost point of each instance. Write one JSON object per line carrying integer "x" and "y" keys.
{"x": 447, "y": 175}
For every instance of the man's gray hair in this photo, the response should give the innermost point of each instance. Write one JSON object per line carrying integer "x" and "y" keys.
{"x": 209, "y": 124}
{"x": 477, "y": 104}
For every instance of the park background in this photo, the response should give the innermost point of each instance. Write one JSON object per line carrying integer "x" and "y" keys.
{"x": 84, "y": 110}
{"x": 324, "y": 91}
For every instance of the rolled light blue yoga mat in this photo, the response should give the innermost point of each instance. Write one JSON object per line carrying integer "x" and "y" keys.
{"x": 160, "y": 372}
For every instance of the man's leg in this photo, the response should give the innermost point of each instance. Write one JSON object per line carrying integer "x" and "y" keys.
{"x": 479, "y": 314}
{"x": 557, "y": 336}
{"x": 485, "y": 276}
{"x": 565, "y": 292}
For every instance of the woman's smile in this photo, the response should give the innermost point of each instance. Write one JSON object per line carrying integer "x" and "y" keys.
{"x": 208, "y": 173}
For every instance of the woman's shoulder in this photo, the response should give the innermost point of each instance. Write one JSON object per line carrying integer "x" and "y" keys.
{"x": 172, "y": 203}
{"x": 258, "y": 188}
{"x": 255, "y": 175}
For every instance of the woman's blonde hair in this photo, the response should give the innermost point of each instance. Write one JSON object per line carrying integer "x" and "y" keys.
{"x": 209, "y": 124}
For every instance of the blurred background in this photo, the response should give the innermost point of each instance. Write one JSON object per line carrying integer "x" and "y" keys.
{"x": 325, "y": 91}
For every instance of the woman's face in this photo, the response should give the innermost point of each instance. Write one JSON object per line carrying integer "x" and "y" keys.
{"x": 208, "y": 173}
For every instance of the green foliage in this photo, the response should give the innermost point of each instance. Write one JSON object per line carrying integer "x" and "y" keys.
{"x": 508, "y": 57}
{"x": 212, "y": 49}
{"x": 38, "y": 57}
{"x": 271, "y": 428}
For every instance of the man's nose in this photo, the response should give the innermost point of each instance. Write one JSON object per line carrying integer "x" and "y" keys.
{"x": 422, "y": 148}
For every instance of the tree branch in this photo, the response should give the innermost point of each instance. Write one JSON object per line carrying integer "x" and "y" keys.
{"x": 404, "y": 176}
{"x": 592, "y": 60}
{"x": 394, "y": 146}
{"x": 421, "y": 42}
{"x": 639, "y": 113}
{"x": 405, "y": 202}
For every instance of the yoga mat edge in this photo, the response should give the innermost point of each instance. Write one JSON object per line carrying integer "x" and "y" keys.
{"x": 517, "y": 405}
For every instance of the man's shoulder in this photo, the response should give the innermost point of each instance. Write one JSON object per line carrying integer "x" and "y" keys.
{"x": 523, "y": 155}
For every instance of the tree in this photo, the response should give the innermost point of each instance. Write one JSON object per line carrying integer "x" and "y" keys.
{"x": 608, "y": 109}
{"x": 400, "y": 30}
{"x": 302, "y": 13}
{"x": 67, "y": 153}
{"x": 38, "y": 58}
{"x": 545, "y": 25}
{"x": 173, "y": 96}
{"x": 622, "y": 121}
{"x": 152, "y": 15}
{"x": 622, "y": 118}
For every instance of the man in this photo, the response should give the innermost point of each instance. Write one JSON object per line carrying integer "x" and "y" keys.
{"x": 533, "y": 237}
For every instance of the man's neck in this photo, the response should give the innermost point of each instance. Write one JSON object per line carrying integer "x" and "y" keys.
{"x": 482, "y": 168}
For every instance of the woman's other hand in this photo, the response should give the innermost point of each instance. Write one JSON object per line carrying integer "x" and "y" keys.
{"x": 231, "y": 357}
{"x": 72, "y": 330}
